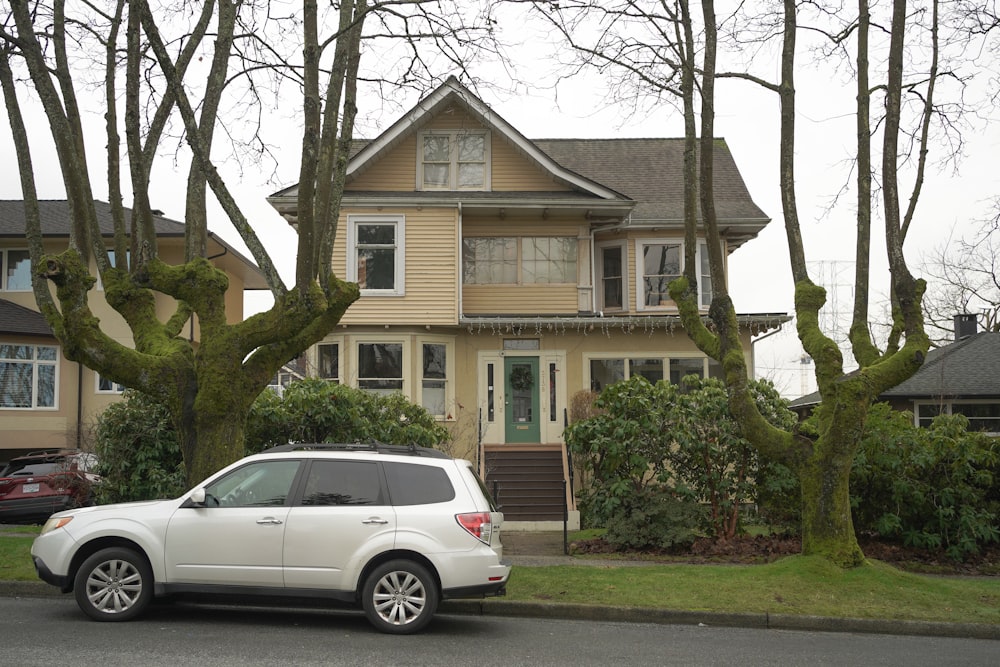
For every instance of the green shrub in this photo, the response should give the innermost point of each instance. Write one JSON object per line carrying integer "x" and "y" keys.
{"x": 654, "y": 519}
{"x": 932, "y": 488}
{"x": 139, "y": 457}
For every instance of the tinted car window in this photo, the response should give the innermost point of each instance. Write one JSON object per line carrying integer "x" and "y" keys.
{"x": 342, "y": 483}
{"x": 411, "y": 484}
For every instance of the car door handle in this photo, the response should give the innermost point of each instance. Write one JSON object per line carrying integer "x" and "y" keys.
{"x": 269, "y": 521}
{"x": 375, "y": 521}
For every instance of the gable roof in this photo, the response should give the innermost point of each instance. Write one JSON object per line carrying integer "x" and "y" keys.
{"x": 15, "y": 319}
{"x": 640, "y": 178}
{"x": 54, "y": 215}
{"x": 968, "y": 368}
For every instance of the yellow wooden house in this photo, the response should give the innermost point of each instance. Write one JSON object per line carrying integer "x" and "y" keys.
{"x": 46, "y": 401}
{"x": 501, "y": 275}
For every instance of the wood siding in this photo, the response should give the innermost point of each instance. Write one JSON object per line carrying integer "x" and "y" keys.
{"x": 431, "y": 270}
{"x": 519, "y": 299}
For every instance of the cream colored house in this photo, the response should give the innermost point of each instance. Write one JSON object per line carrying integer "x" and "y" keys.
{"x": 501, "y": 275}
{"x": 47, "y": 401}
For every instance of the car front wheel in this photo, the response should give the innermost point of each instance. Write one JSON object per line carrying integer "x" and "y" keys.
{"x": 400, "y": 597}
{"x": 114, "y": 584}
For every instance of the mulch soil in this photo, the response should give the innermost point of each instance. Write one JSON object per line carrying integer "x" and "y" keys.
{"x": 747, "y": 550}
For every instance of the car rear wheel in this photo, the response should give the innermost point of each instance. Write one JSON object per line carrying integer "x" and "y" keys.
{"x": 400, "y": 597}
{"x": 114, "y": 584}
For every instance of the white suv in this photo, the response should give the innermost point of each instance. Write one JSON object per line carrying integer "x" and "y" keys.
{"x": 392, "y": 529}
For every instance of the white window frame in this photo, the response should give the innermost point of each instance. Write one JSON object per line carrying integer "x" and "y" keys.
{"x": 405, "y": 352}
{"x": 700, "y": 253}
{"x": 116, "y": 389}
{"x": 453, "y": 136}
{"x": 599, "y": 287}
{"x": 449, "y": 374}
{"x": 35, "y": 363}
{"x": 519, "y": 242}
{"x": 5, "y": 268}
{"x": 339, "y": 344}
{"x": 399, "y": 222}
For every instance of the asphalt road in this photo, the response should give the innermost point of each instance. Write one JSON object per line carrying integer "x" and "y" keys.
{"x": 52, "y": 631}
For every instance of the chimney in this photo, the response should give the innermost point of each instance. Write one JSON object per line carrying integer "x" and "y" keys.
{"x": 965, "y": 326}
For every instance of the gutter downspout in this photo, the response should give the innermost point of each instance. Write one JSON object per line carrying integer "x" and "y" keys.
{"x": 458, "y": 251}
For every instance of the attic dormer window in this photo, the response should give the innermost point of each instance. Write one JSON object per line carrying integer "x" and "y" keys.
{"x": 453, "y": 160}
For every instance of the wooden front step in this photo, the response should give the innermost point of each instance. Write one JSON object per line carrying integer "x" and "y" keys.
{"x": 528, "y": 484}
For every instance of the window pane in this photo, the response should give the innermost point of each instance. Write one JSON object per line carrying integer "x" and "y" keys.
{"x": 46, "y": 386}
{"x": 489, "y": 261}
{"x": 46, "y": 353}
{"x": 471, "y": 175}
{"x": 927, "y": 413}
{"x": 380, "y": 367}
{"x": 611, "y": 277}
{"x": 681, "y": 367}
{"x": 258, "y": 484}
{"x": 982, "y": 416}
{"x": 377, "y": 235}
{"x": 329, "y": 361}
{"x": 18, "y": 270}
{"x": 706, "y": 275}
{"x": 437, "y": 148}
{"x": 472, "y": 148}
{"x": 661, "y": 264}
{"x": 651, "y": 369}
{"x": 437, "y": 175}
{"x": 342, "y": 483}
{"x": 434, "y": 374}
{"x": 15, "y": 351}
{"x": 15, "y": 385}
{"x": 606, "y": 372}
{"x": 376, "y": 268}
{"x": 548, "y": 260}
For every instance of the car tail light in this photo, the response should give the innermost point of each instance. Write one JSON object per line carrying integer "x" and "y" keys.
{"x": 479, "y": 525}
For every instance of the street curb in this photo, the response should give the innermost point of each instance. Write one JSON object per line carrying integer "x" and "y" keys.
{"x": 582, "y": 612}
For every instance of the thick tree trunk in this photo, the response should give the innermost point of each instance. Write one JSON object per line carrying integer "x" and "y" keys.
{"x": 827, "y": 527}
{"x": 212, "y": 437}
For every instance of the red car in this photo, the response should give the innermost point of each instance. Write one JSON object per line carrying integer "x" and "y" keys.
{"x": 35, "y": 486}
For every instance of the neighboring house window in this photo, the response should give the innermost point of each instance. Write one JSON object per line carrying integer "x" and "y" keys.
{"x": 328, "y": 361}
{"x": 456, "y": 160}
{"x": 28, "y": 376}
{"x": 537, "y": 260}
{"x": 660, "y": 263}
{"x": 15, "y": 266}
{"x": 380, "y": 367}
{"x": 375, "y": 254}
{"x": 982, "y": 415}
{"x": 611, "y": 270}
{"x": 434, "y": 378}
{"x": 114, "y": 262}
{"x": 106, "y": 386}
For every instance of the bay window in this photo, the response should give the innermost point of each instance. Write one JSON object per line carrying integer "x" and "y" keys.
{"x": 380, "y": 367}
{"x": 512, "y": 260}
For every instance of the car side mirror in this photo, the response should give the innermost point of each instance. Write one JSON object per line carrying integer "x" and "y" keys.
{"x": 197, "y": 497}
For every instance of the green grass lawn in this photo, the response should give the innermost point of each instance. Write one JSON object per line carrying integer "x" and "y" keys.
{"x": 796, "y": 585}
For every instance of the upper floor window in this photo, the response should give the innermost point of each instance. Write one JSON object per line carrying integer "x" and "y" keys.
{"x": 659, "y": 263}
{"x": 510, "y": 260}
{"x": 454, "y": 160}
{"x": 611, "y": 271}
{"x": 15, "y": 270}
{"x": 28, "y": 376}
{"x": 375, "y": 254}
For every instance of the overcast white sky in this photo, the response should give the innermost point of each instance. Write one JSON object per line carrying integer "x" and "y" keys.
{"x": 747, "y": 118}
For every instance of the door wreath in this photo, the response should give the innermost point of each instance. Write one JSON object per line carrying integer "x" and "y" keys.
{"x": 521, "y": 378}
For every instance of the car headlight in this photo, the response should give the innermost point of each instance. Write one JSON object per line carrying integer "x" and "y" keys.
{"x": 54, "y": 523}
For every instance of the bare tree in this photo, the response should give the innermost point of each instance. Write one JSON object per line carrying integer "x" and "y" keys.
{"x": 660, "y": 46}
{"x": 174, "y": 71}
{"x": 964, "y": 278}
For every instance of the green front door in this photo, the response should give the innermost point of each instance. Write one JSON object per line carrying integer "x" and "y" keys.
{"x": 521, "y": 418}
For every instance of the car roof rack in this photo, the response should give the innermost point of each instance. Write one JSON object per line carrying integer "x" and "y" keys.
{"x": 374, "y": 446}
